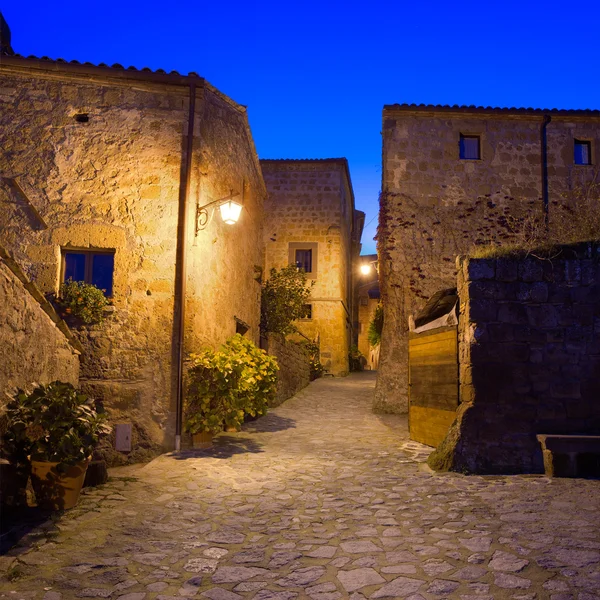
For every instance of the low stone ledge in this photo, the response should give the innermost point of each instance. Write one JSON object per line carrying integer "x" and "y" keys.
{"x": 561, "y": 454}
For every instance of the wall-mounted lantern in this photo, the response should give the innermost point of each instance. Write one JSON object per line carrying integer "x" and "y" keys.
{"x": 228, "y": 207}
{"x": 366, "y": 269}
{"x": 230, "y": 211}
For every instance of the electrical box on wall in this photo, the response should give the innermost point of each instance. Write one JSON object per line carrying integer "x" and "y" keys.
{"x": 123, "y": 437}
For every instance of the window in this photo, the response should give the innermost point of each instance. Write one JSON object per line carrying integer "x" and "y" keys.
{"x": 92, "y": 267}
{"x": 306, "y": 312}
{"x": 470, "y": 147}
{"x": 304, "y": 260}
{"x": 304, "y": 255}
{"x": 583, "y": 152}
{"x": 241, "y": 327}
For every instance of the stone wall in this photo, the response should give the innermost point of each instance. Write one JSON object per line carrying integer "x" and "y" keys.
{"x": 366, "y": 311}
{"x": 529, "y": 356}
{"x": 312, "y": 201}
{"x": 294, "y": 368}
{"x": 34, "y": 348}
{"x": 435, "y": 206}
{"x": 112, "y": 181}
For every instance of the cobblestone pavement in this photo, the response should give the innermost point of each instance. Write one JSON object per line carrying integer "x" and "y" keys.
{"x": 323, "y": 500}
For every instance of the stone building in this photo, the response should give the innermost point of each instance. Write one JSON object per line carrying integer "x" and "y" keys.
{"x": 367, "y": 299}
{"x": 310, "y": 221}
{"x": 102, "y": 173}
{"x": 454, "y": 177}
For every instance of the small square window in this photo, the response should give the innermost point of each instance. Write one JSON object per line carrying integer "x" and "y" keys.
{"x": 304, "y": 255}
{"x": 583, "y": 152}
{"x": 304, "y": 260}
{"x": 470, "y": 147}
{"x": 92, "y": 267}
{"x": 241, "y": 327}
{"x": 306, "y": 312}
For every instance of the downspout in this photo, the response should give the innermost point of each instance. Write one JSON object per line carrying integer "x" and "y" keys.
{"x": 181, "y": 262}
{"x": 544, "y": 145}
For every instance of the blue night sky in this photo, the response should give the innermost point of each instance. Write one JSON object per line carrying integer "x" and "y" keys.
{"x": 315, "y": 75}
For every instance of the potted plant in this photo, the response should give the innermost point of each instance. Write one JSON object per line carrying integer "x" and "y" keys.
{"x": 256, "y": 375}
{"x": 58, "y": 427}
{"x": 225, "y": 386}
{"x": 211, "y": 398}
{"x": 84, "y": 302}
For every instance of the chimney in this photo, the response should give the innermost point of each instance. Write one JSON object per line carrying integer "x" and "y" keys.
{"x": 5, "y": 47}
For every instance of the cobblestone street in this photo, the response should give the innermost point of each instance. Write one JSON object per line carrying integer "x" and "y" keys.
{"x": 321, "y": 499}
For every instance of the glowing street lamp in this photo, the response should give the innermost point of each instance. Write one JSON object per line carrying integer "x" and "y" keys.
{"x": 366, "y": 269}
{"x": 230, "y": 211}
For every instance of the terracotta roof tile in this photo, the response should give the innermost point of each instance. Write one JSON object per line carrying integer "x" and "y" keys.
{"x": 115, "y": 66}
{"x": 333, "y": 160}
{"x": 489, "y": 109}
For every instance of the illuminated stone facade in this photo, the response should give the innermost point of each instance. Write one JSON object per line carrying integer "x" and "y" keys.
{"x": 91, "y": 159}
{"x": 367, "y": 298}
{"x": 25, "y": 319}
{"x": 310, "y": 207}
{"x": 436, "y": 205}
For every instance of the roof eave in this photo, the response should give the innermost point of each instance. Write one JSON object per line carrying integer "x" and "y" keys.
{"x": 114, "y": 73}
{"x": 459, "y": 109}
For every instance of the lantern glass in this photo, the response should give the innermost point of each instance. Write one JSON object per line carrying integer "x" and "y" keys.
{"x": 365, "y": 269}
{"x": 230, "y": 211}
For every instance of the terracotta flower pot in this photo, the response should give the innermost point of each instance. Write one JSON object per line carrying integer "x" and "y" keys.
{"x": 56, "y": 490}
{"x": 202, "y": 440}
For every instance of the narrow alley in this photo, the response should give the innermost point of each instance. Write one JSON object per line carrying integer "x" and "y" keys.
{"x": 320, "y": 499}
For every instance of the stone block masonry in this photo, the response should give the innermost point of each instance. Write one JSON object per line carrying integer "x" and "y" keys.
{"x": 34, "y": 348}
{"x": 294, "y": 368}
{"x": 529, "y": 360}
{"x": 311, "y": 205}
{"x": 97, "y": 154}
{"x": 436, "y": 205}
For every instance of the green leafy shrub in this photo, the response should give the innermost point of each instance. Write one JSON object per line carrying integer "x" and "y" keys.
{"x": 376, "y": 326}
{"x": 314, "y": 355}
{"x": 226, "y": 385}
{"x": 54, "y": 423}
{"x": 258, "y": 375}
{"x": 83, "y": 300}
{"x": 283, "y": 299}
{"x": 354, "y": 357}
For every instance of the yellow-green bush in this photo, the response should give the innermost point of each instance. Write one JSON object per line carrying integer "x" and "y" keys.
{"x": 225, "y": 385}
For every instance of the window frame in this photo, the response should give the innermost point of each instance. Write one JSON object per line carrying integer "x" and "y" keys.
{"x": 89, "y": 253}
{"x": 310, "y": 312}
{"x": 470, "y": 136}
{"x": 308, "y": 259}
{"x": 582, "y": 142}
{"x": 314, "y": 247}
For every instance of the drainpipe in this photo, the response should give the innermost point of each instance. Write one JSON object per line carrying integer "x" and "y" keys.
{"x": 180, "y": 262}
{"x": 544, "y": 145}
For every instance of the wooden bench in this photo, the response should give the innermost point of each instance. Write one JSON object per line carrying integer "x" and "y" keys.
{"x": 570, "y": 455}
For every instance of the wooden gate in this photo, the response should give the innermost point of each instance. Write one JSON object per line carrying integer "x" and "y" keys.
{"x": 432, "y": 384}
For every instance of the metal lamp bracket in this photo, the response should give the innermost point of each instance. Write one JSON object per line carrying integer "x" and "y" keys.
{"x": 204, "y": 217}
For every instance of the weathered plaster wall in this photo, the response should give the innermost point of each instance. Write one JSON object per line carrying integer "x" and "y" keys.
{"x": 435, "y": 206}
{"x": 311, "y": 201}
{"x": 529, "y": 359}
{"x": 34, "y": 349}
{"x": 113, "y": 182}
{"x": 294, "y": 368}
